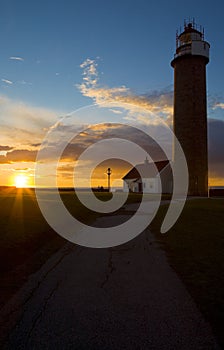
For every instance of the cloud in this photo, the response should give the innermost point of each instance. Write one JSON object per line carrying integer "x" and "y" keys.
{"x": 23, "y": 169}
{"x": 116, "y": 111}
{"x": 5, "y": 148}
{"x": 215, "y": 101}
{"x": 68, "y": 168}
{"x": 4, "y": 160}
{"x": 36, "y": 144}
{"x": 23, "y": 82}
{"x": 22, "y": 125}
{"x": 159, "y": 103}
{"x": 90, "y": 67}
{"x": 9, "y": 82}
{"x": 219, "y": 105}
{"x": 20, "y": 155}
{"x": 95, "y": 133}
{"x": 90, "y": 76}
{"x": 16, "y": 58}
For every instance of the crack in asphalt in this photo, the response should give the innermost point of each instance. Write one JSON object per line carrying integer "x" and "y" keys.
{"x": 111, "y": 268}
{"x": 42, "y": 310}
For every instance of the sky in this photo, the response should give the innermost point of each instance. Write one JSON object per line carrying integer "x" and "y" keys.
{"x": 59, "y": 56}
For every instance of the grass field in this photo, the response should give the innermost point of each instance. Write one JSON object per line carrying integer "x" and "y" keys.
{"x": 26, "y": 240}
{"x": 195, "y": 249}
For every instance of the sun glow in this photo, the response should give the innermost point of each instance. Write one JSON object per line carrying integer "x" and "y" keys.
{"x": 21, "y": 181}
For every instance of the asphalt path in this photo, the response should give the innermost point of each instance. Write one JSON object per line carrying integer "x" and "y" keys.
{"x": 126, "y": 297}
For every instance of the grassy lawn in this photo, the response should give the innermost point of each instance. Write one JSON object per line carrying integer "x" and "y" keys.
{"x": 26, "y": 240}
{"x": 195, "y": 249}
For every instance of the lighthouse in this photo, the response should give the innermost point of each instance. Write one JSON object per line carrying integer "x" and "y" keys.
{"x": 190, "y": 104}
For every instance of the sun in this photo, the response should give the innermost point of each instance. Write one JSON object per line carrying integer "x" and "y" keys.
{"x": 21, "y": 181}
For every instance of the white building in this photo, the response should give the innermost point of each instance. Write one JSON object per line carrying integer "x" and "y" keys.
{"x": 149, "y": 177}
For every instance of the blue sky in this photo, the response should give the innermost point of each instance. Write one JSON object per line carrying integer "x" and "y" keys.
{"x": 129, "y": 44}
{"x": 135, "y": 41}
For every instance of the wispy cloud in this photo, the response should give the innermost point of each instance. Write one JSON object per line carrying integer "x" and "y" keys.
{"x": 90, "y": 76}
{"x": 9, "y": 82}
{"x": 5, "y": 148}
{"x": 158, "y": 102}
{"x": 219, "y": 105}
{"x": 23, "y": 169}
{"x": 16, "y": 58}
{"x": 116, "y": 111}
{"x": 19, "y": 155}
{"x": 23, "y": 82}
{"x": 23, "y": 125}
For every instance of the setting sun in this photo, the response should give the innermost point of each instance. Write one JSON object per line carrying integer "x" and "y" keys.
{"x": 21, "y": 181}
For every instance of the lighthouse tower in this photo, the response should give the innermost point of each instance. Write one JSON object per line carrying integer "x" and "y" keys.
{"x": 190, "y": 106}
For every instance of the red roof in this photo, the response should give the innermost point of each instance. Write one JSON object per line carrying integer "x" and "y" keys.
{"x": 146, "y": 170}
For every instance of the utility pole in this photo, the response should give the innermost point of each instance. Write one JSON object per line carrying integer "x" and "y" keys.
{"x": 108, "y": 175}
